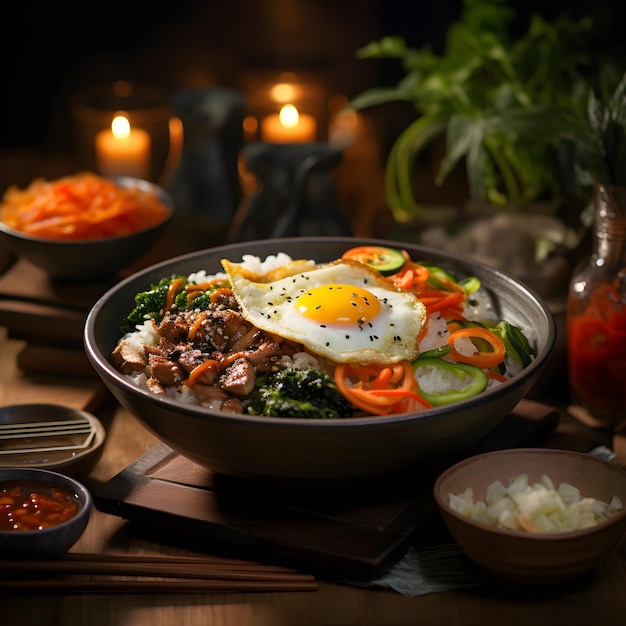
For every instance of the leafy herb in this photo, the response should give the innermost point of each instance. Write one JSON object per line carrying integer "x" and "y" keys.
{"x": 510, "y": 109}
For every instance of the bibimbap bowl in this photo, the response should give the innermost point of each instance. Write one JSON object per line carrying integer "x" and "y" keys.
{"x": 320, "y": 451}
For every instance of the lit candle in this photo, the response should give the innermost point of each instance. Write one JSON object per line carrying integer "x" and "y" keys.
{"x": 289, "y": 126}
{"x": 122, "y": 150}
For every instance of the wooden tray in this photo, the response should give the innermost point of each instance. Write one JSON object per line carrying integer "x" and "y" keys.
{"x": 349, "y": 536}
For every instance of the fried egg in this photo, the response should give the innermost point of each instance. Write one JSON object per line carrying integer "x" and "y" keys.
{"x": 344, "y": 310}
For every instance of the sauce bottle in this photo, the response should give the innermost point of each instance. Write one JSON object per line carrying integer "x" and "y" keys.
{"x": 596, "y": 315}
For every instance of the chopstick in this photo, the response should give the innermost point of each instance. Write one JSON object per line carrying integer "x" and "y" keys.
{"x": 191, "y": 574}
{"x": 162, "y": 570}
{"x": 203, "y": 561}
{"x": 146, "y": 587}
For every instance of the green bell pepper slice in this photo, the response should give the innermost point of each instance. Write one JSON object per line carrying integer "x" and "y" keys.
{"x": 477, "y": 380}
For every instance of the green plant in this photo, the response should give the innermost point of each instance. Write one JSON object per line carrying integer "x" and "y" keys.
{"x": 606, "y": 159}
{"x": 511, "y": 109}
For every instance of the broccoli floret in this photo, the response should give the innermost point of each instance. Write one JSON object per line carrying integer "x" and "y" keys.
{"x": 201, "y": 302}
{"x": 293, "y": 392}
{"x": 148, "y": 304}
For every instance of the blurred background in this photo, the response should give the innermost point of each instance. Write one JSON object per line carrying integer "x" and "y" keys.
{"x": 57, "y": 49}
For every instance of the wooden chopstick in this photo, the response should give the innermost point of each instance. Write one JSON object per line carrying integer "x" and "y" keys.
{"x": 161, "y": 570}
{"x": 53, "y": 585}
{"x": 117, "y": 557}
{"x": 192, "y": 574}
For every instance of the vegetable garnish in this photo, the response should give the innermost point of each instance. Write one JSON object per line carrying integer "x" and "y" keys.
{"x": 435, "y": 287}
{"x": 464, "y": 380}
{"x": 480, "y": 358}
{"x": 385, "y": 260}
{"x": 78, "y": 207}
{"x": 198, "y": 370}
{"x": 380, "y": 390}
{"x": 172, "y": 290}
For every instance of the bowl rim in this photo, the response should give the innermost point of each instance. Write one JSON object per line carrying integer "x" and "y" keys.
{"x": 164, "y": 196}
{"x": 444, "y": 507}
{"x": 106, "y": 369}
{"x": 84, "y": 498}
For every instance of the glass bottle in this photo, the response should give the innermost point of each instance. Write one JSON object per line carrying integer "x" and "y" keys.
{"x": 596, "y": 314}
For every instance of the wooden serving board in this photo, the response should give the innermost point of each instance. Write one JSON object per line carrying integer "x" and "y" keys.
{"x": 342, "y": 536}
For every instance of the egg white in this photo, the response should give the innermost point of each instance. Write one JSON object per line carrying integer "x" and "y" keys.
{"x": 268, "y": 302}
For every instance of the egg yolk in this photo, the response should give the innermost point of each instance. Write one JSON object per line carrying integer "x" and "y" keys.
{"x": 338, "y": 304}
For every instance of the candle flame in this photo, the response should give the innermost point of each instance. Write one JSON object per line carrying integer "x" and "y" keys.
{"x": 289, "y": 116}
{"x": 120, "y": 127}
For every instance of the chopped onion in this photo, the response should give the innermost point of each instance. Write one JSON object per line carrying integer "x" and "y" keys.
{"x": 537, "y": 507}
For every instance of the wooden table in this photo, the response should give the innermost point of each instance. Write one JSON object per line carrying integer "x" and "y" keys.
{"x": 601, "y": 600}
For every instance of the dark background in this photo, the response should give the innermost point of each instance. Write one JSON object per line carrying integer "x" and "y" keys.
{"x": 51, "y": 49}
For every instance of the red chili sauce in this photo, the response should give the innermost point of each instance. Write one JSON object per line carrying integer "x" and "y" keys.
{"x": 34, "y": 505}
{"x": 597, "y": 353}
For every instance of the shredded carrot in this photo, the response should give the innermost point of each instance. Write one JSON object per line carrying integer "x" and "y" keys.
{"x": 380, "y": 390}
{"x": 198, "y": 370}
{"x": 207, "y": 284}
{"x": 83, "y": 206}
{"x": 446, "y": 302}
{"x": 195, "y": 327}
{"x": 191, "y": 295}
{"x": 482, "y": 359}
{"x": 496, "y": 376}
{"x": 172, "y": 290}
{"x": 449, "y": 300}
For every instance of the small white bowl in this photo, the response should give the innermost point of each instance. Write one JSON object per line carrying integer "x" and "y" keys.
{"x": 525, "y": 557}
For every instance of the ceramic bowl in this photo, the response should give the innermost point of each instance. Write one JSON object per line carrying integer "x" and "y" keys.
{"x": 317, "y": 451}
{"x": 50, "y": 436}
{"x": 52, "y": 541}
{"x": 93, "y": 259}
{"x": 527, "y": 557}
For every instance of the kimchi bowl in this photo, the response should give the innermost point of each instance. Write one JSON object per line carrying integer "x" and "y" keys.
{"x": 125, "y": 219}
{"x": 289, "y": 450}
